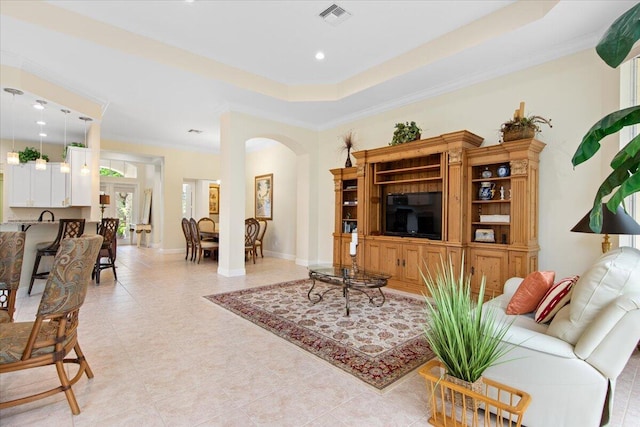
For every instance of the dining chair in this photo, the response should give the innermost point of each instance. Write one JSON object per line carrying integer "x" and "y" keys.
{"x": 54, "y": 333}
{"x": 186, "y": 230}
{"x": 109, "y": 231}
{"x": 263, "y": 229}
{"x": 67, "y": 228}
{"x": 11, "y": 254}
{"x": 251, "y": 229}
{"x": 199, "y": 246}
{"x": 207, "y": 228}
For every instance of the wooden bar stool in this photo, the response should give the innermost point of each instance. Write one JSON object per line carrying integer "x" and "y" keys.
{"x": 67, "y": 228}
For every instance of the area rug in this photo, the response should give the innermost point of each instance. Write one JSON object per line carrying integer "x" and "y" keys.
{"x": 378, "y": 345}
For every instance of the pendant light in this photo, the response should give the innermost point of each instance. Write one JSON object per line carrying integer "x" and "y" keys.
{"x": 85, "y": 169}
{"x": 64, "y": 166}
{"x": 41, "y": 164}
{"x": 12, "y": 156}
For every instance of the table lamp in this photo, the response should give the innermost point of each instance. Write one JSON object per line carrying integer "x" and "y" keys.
{"x": 612, "y": 223}
{"x": 104, "y": 200}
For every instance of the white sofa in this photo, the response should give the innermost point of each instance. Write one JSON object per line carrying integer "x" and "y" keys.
{"x": 570, "y": 366}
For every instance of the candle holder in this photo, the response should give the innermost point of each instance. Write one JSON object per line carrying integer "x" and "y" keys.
{"x": 354, "y": 264}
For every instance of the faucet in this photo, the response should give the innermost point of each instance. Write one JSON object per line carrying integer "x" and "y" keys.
{"x": 42, "y": 214}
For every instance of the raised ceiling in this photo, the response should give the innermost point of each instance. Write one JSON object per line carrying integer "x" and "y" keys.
{"x": 160, "y": 68}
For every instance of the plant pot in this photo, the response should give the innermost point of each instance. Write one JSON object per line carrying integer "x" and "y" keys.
{"x": 477, "y": 387}
{"x": 519, "y": 133}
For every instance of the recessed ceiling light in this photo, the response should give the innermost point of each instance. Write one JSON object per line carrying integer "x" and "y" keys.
{"x": 41, "y": 122}
{"x": 42, "y": 134}
{"x": 320, "y": 55}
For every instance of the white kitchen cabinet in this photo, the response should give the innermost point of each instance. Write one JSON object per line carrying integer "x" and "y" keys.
{"x": 78, "y": 185}
{"x": 59, "y": 197}
{"x": 31, "y": 188}
{"x": 40, "y": 187}
{"x": 20, "y": 185}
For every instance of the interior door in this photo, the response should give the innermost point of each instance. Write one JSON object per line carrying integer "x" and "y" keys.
{"x": 123, "y": 202}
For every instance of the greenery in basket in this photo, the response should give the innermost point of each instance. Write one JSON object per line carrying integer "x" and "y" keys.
{"x": 30, "y": 153}
{"x": 466, "y": 338}
{"x": 624, "y": 179}
{"x": 71, "y": 144}
{"x": 405, "y": 132}
{"x": 520, "y": 124}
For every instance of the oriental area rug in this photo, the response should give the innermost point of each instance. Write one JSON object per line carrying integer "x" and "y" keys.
{"x": 378, "y": 345}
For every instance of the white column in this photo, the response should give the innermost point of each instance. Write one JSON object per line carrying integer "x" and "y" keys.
{"x": 232, "y": 201}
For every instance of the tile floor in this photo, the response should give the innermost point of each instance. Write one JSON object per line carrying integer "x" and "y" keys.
{"x": 164, "y": 356}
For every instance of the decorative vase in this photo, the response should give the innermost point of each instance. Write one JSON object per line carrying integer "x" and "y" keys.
{"x": 348, "y": 164}
{"x": 503, "y": 171}
{"x": 487, "y": 190}
{"x": 518, "y": 133}
{"x": 486, "y": 173}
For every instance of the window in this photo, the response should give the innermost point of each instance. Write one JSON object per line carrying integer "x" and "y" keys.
{"x": 118, "y": 168}
{"x": 187, "y": 199}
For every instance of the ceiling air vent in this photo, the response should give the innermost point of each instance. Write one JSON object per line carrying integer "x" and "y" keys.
{"x": 334, "y": 15}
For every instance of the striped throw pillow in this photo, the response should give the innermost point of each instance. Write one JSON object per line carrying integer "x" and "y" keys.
{"x": 555, "y": 298}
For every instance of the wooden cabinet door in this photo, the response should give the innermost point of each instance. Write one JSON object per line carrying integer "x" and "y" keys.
{"x": 493, "y": 265}
{"x": 411, "y": 263}
{"x": 431, "y": 258}
{"x": 371, "y": 259}
{"x": 390, "y": 258}
{"x": 341, "y": 254}
{"x": 337, "y": 250}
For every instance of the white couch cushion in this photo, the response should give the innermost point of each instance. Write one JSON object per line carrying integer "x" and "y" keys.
{"x": 617, "y": 272}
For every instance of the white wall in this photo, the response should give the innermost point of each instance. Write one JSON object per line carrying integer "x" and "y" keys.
{"x": 280, "y": 238}
{"x": 574, "y": 92}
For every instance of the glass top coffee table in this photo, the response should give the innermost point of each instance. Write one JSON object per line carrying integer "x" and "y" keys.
{"x": 348, "y": 280}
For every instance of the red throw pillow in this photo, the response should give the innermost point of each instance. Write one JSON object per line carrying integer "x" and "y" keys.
{"x": 530, "y": 292}
{"x": 555, "y": 298}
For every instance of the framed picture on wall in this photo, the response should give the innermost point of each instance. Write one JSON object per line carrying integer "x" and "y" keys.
{"x": 264, "y": 196}
{"x": 214, "y": 199}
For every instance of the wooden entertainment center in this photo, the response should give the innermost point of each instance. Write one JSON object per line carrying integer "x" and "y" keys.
{"x": 442, "y": 196}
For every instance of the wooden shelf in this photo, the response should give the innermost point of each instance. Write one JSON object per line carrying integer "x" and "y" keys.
{"x": 491, "y": 201}
{"x": 494, "y": 178}
{"x": 404, "y": 181}
{"x": 407, "y": 170}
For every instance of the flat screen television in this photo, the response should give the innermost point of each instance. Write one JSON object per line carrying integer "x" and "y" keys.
{"x": 414, "y": 215}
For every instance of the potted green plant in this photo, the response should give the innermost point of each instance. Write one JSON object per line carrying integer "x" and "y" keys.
{"x": 465, "y": 338}
{"x": 522, "y": 127}
{"x": 624, "y": 179}
{"x": 30, "y": 153}
{"x": 71, "y": 144}
{"x": 405, "y": 132}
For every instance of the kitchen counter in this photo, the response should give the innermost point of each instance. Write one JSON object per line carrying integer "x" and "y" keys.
{"x": 38, "y": 232}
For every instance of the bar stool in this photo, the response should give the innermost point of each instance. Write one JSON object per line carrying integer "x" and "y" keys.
{"x": 68, "y": 228}
{"x": 108, "y": 230}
